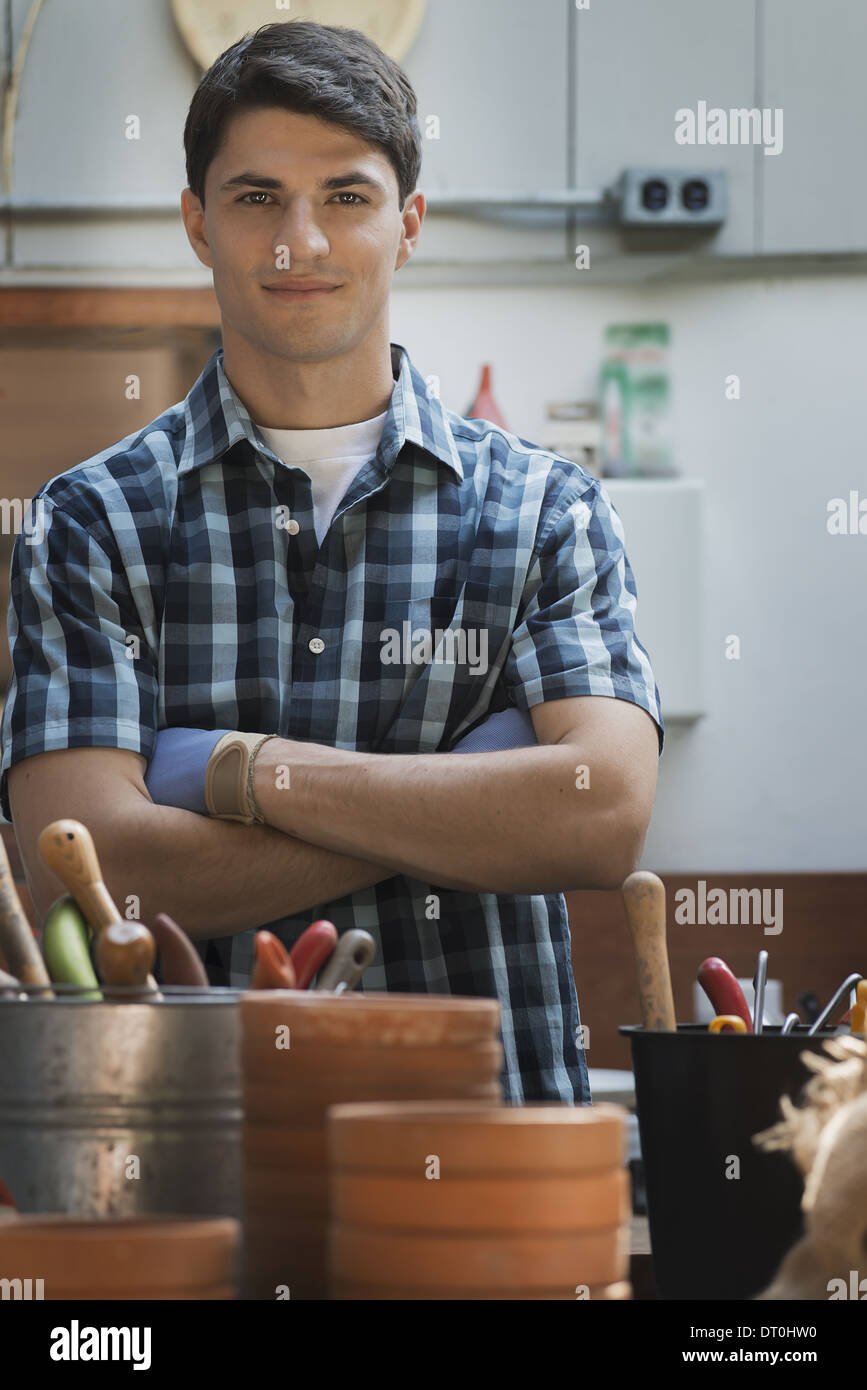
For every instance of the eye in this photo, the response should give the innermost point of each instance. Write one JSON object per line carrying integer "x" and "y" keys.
{"x": 259, "y": 193}
{"x": 351, "y": 195}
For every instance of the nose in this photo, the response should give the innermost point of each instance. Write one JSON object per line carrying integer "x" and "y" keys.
{"x": 300, "y": 232}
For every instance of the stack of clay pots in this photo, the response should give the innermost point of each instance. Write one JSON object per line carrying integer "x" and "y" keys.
{"x": 303, "y": 1051}
{"x": 433, "y": 1201}
{"x": 64, "y": 1257}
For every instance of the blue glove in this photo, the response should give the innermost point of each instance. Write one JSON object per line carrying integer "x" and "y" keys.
{"x": 176, "y": 772}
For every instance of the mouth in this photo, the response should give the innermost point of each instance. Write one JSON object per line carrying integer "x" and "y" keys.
{"x": 291, "y": 294}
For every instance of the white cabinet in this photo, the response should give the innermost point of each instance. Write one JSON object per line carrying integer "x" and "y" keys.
{"x": 636, "y": 64}
{"x": 662, "y": 522}
{"x": 91, "y": 65}
{"x": 494, "y": 77}
{"x": 814, "y": 193}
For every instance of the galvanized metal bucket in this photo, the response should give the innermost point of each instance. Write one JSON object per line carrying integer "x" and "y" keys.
{"x": 122, "y": 1109}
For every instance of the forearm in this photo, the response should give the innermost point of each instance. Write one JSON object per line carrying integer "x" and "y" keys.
{"x": 504, "y": 822}
{"x": 217, "y": 878}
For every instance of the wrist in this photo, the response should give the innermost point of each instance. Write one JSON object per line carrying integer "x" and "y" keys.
{"x": 271, "y": 779}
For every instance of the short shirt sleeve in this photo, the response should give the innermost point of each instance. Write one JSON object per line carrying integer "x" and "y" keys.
{"x": 576, "y": 629}
{"x": 81, "y": 673}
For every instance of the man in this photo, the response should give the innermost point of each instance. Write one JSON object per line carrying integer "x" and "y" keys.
{"x": 312, "y": 546}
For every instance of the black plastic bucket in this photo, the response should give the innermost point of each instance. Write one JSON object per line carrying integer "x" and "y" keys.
{"x": 700, "y": 1098}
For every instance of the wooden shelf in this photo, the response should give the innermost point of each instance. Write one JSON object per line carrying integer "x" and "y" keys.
{"x": 108, "y": 308}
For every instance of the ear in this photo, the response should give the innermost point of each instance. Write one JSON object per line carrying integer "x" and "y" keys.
{"x": 193, "y": 215}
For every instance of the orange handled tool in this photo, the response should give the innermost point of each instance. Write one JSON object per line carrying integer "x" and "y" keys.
{"x": 859, "y": 1008}
{"x": 273, "y": 968}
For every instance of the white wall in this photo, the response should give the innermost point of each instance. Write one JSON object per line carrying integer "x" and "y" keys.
{"x": 774, "y": 777}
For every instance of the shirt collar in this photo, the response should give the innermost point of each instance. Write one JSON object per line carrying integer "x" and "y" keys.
{"x": 216, "y": 419}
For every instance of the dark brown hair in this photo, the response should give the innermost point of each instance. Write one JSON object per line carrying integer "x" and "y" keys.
{"x": 323, "y": 70}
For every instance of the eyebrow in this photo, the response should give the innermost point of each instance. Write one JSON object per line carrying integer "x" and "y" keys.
{"x": 250, "y": 179}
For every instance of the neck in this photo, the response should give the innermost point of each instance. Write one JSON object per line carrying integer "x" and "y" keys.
{"x": 285, "y": 393}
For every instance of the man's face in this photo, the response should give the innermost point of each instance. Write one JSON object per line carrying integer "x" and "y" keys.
{"x": 268, "y": 220}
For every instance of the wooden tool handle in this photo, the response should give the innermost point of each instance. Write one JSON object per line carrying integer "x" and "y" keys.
{"x": 644, "y": 901}
{"x": 124, "y": 954}
{"x": 17, "y": 941}
{"x": 67, "y": 848}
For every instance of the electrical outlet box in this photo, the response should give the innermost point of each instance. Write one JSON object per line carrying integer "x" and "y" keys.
{"x": 672, "y": 197}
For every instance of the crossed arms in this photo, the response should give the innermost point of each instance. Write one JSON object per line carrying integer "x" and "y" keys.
{"x": 519, "y": 821}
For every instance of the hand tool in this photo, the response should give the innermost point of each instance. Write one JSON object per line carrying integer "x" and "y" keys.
{"x": 17, "y": 942}
{"x": 722, "y": 989}
{"x": 809, "y": 1005}
{"x": 727, "y": 1023}
{"x": 644, "y": 900}
{"x": 180, "y": 962}
{"x": 124, "y": 956}
{"x": 312, "y": 950}
{"x": 67, "y": 847}
{"x": 272, "y": 968}
{"x": 759, "y": 982}
{"x": 859, "y": 1008}
{"x": 790, "y": 1021}
{"x": 849, "y": 983}
{"x": 348, "y": 961}
{"x": 66, "y": 946}
{"x": 10, "y": 988}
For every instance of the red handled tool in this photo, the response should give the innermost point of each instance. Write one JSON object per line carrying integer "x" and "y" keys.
{"x": 312, "y": 950}
{"x": 723, "y": 990}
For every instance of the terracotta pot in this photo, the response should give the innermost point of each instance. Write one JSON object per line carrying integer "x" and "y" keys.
{"x": 590, "y": 1202}
{"x": 349, "y": 1289}
{"x": 299, "y": 1189}
{"x": 268, "y": 1146}
{"x": 301, "y": 1107}
{"x": 342, "y": 1048}
{"x": 389, "y": 1020}
{"x": 362, "y": 1254}
{"x": 346, "y": 1062}
{"x": 136, "y": 1258}
{"x": 531, "y": 1139}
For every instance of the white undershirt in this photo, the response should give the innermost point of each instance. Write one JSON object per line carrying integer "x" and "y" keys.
{"x": 331, "y": 458}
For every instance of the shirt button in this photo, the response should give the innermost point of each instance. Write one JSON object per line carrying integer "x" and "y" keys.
{"x": 292, "y": 527}
{"x": 316, "y": 645}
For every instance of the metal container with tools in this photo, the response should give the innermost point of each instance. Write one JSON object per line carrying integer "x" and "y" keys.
{"x": 122, "y": 1109}
{"x": 723, "y": 1213}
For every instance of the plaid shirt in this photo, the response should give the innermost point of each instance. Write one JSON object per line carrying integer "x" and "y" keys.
{"x": 170, "y": 537}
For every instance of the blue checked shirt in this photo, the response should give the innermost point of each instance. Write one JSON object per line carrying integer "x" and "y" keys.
{"x": 170, "y": 589}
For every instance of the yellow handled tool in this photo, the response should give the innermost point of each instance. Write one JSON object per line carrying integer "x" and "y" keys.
{"x": 727, "y": 1023}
